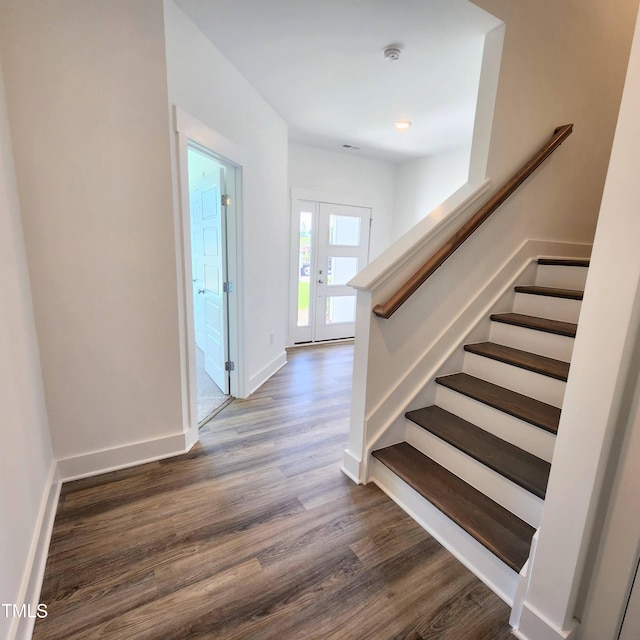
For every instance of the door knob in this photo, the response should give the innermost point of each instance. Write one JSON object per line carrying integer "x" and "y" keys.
{"x": 201, "y": 290}
{"x": 320, "y": 281}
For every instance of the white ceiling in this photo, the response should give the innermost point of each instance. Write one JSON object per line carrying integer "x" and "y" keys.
{"x": 319, "y": 64}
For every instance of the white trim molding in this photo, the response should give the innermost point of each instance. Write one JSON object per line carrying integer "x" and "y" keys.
{"x": 258, "y": 379}
{"x": 130, "y": 455}
{"x": 534, "y": 626}
{"x": 331, "y": 197}
{"x": 351, "y": 466}
{"x": 22, "y": 627}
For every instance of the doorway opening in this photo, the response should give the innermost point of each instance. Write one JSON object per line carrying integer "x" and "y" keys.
{"x": 330, "y": 244}
{"x": 209, "y": 201}
{"x": 209, "y": 256}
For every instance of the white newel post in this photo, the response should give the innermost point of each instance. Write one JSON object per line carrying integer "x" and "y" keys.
{"x": 354, "y": 456}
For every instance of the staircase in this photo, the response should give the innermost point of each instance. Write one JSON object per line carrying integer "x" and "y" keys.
{"x": 473, "y": 468}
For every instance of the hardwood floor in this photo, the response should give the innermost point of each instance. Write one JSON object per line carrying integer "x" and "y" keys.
{"x": 256, "y": 534}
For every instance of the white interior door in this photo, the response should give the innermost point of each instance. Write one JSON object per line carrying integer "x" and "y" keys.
{"x": 330, "y": 244}
{"x": 209, "y": 260}
{"x": 215, "y": 300}
{"x": 197, "y": 266}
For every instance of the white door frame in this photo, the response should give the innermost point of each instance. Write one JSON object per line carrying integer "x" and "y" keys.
{"x": 315, "y": 197}
{"x": 189, "y": 129}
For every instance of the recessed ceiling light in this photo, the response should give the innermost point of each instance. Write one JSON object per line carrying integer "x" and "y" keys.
{"x": 402, "y": 124}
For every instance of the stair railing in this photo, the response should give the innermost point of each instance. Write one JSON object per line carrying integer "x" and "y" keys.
{"x": 388, "y": 308}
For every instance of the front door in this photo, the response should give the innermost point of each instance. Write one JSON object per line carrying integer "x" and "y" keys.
{"x": 207, "y": 177}
{"x": 331, "y": 246}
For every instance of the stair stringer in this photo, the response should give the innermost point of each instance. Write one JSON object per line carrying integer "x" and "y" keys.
{"x": 385, "y": 423}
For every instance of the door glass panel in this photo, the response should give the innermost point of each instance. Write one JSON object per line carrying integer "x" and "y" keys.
{"x": 341, "y": 270}
{"x": 304, "y": 267}
{"x": 341, "y": 309}
{"x": 344, "y": 230}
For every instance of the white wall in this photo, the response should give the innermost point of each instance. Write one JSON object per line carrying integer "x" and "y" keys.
{"x": 561, "y": 63}
{"x": 599, "y": 396}
{"x": 543, "y": 83}
{"x": 369, "y": 181}
{"x": 26, "y": 456}
{"x": 205, "y": 85}
{"x": 87, "y": 97}
{"x": 425, "y": 183}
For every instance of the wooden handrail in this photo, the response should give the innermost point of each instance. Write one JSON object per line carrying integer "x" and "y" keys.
{"x": 387, "y": 309}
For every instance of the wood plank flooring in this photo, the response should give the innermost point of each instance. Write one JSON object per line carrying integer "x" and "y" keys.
{"x": 256, "y": 534}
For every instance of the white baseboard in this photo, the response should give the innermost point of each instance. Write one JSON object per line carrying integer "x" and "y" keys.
{"x": 72, "y": 469}
{"x": 534, "y": 626}
{"x": 22, "y": 628}
{"x": 97, "y": 462}
{"x": 351, "y": 466}
{"x": 190, "y": 438}
{"x": 257, "y": 380}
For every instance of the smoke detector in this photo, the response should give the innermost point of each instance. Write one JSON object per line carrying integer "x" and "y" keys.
{"x": 392, "y": 52}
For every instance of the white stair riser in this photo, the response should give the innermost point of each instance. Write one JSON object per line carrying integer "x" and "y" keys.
{"x": 534, "y": 385}
{"x": 561, "y": 277}
{"x": 527, "y": 436}
{"x": 547, "y": 307}
{"x": 500, "y": 578}
{"x": 540, "y": 342}
{"x": 511, "y": 496}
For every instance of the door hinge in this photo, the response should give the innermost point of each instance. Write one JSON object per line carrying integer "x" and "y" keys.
{"x": 227, "y": 287}
{"x": 229, "y": 366}
{"x": 225, "y": 200}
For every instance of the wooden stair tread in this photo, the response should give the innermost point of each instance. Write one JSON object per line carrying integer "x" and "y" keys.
{"x": 553, "y": 292}
{"x": 539, "y": 324}
{"x": 513, "y": 463}
{"x": 565, "y": 262}
{"x": 503, "y": 533}
{"x": 523, "y": 359}
{"x": 523, "y": 407}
